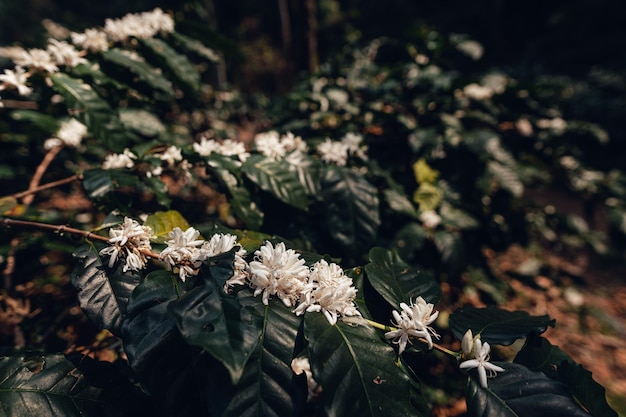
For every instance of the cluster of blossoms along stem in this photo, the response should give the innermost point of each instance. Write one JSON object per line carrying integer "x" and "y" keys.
{"x": 476, "y": 355}
{"x": 71, "y": 133}
{"x": 227, "y": 147}
{"x": 275, "y": 270}
{"x": 278, "y": 271}
{"x": 276, "y": 146}
{"x": 60, "y": 53}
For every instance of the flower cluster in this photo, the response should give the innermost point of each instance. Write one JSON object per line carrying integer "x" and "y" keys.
{"x": 338, "y": 152}
{"x": 185, "y": 252}
{"x": 329, "y": 291}
{"x": 139, "y": 25}
{"x": 120, "y": 160}
{"x": 228, "y": 147}
{"x": 130, "y": 241}
{"x": 476, "y": 355}
{"x": 278, "y": 271}
{"x": 413, "y": 321}
{"x": 70, "y": 134}
{"x": 276, "y": 146}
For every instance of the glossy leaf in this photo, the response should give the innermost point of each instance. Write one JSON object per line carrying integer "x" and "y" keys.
{"x": 397, "y": 282}
{"x": 175, "y": 63}
{"x": 241, "y": 202}
{"x": 93, "y": 111}
{"x": 195, "y": 46}
{"x": 103, "y": 293}
{"x": 497, "y": 326}
{"x": 357, "y": 370}
{"x": 400, "y": 203}
{"x": 267, "y": 387}
{"x": 46, "y": 385}
{"x": 44, "y": 122}
{"x": 217, "y": 322}
{"x": 163, "y": 362}
{"x": 145, "y": 73}
{"x": 100, "y": 182}
{"x": 142, "y": 122}
{"x": 521, "y": 392}
{"x": 352, "y": 208}
{"x": 539, "y": 354}
{"x": 276, "y": 178}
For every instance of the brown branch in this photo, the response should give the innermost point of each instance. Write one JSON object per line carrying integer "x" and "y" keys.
{"x": 62, "y": 229}
{"x": 46, "y": 186}
{"x": 41, "y": 169}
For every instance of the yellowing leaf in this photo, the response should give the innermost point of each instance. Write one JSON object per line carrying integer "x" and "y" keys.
{"x": 7, "y": 204}
{"x": 162, "y": 222}
{"x": 428, "y": 196}
{"x": 424, "y": 173}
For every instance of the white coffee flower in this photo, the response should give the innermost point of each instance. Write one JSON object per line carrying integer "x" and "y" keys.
{"x": 222, "y": 243}
{"x": 413, "y": 321}
{"x": 15, "y": 79}
{"x": 478, "y": 92}
{"x": 92, "y": 40}
{"x": 182, "y": 252}
{"x": 278, "y": 271}
{"x": 230, "y": 147}
{"x": 480, "y": 361}
{"x": 37, "y": 59}
{"x": 120, "y": 160}
{"x": 70, "y": 134}
{"x": 171, "y": 155}
{"x": 329, "y": 291}
{"x": 63, "y": 53}
{"x": 333, "y": 152}
{"x": 139, "y": 25}
{"x": 128, "y": 240}
{"x": 206, "y": 146}
{"x": 293, "y": 143}
{"x": 430, "y": 219}
{"x": 269, "y": 144}
{"x": 352, "y": 141}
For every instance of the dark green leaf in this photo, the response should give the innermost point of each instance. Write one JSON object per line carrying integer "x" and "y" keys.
{"x": 357, "y": 370}
{"x": 93, "y": 111}
{"x": 227, "y": 171}
{"x": 45, "y": 122}
{"x": 456, "y": 217}
{"x": 46, "y": 385}
{"x": 519, "y": 391}
{"x": 142, "y": 122}
{"x": 217, "y": 322}
{"x": 497, "y": 326}
{"x": 539, "y": 354}
{"x": 145, "y": 73}
{"x": 103, "y": 293}
{"x": 352, "y": 208}
{"x": 397, "y": 282}
{"x": 276, "y": 178}
{"x": 178, "y": 65}
{"x": 163, "y": 362}
{"x": 100, "y": 182}
{"x": 400, "y": 203}
{"x": 267, "y": 386}
{"x": 195, "y": 46}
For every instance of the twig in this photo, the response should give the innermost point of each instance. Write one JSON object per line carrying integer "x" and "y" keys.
{"x": 41, "y": 169}
{"x": 62, "y": 229}
{"x": 47, "y": 186}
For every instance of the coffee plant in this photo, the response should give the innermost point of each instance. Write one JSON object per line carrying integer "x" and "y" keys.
{"x": 298, "y": 272}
